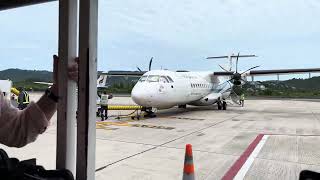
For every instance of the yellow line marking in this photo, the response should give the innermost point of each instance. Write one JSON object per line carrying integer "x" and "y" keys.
{"x": 151, "y": 126}
{"x": 105, "y": 128}
{"x": 102, "y": 125}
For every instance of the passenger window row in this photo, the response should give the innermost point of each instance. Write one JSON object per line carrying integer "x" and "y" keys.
{"x": 200, "y": 85}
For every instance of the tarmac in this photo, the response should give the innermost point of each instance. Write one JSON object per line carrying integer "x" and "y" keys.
{"x": 265, "y": 139}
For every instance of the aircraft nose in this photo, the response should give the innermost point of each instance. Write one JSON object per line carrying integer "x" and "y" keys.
{"x": 138, "y": 95}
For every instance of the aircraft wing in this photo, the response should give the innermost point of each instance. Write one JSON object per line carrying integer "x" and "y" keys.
{"x": 281, "y": 71}
{"x": 224, "y": 73}
{"x": 125, "y": 73}
{"x": 44, "y": 83}
{"x": 270, "y": 72}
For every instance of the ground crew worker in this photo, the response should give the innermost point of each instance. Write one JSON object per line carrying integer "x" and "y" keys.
{"x": 242, "y": 100}
{"x": 104, "y": 105}
{"x": 98, "y": 106}
{"x": 23, "y": 99}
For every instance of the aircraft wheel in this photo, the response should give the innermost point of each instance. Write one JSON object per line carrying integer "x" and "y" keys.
{"x": 224, "y": 105}
{"x": 219, "y": 106}
{"x": 149, "y": 113}
{"x": 182, "y": 106}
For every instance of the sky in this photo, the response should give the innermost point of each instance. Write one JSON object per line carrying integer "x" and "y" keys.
{"x": 178, "y": 34}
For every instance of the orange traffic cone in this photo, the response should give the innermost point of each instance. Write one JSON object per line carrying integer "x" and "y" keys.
{"x": 188, "y": 169}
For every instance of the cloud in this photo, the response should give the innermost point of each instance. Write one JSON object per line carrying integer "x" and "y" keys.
{"x": 179, "y": 34}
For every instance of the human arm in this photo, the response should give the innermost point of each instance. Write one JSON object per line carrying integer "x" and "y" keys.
{"x": 18, "y": 128}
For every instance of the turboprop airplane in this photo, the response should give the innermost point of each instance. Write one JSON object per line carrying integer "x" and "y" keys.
{"x": 163, "y": 89}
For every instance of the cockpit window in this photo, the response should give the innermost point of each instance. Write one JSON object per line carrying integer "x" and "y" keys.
{"x": 164, "y": 79}
{"x": 170, "y": 79}
{"x": 143, "y": 78}
{"x": 153, "y": 78}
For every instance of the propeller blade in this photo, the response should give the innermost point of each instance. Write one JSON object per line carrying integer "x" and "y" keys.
{"x": 244, "y": 80}
{"x": 237, "y": 62}
{"x": 235, "y": 97}
{"x": 230, "y": 80}
{"x": 223, "y": 68}
{"x": 150, "y": 63}
{"x": 250, "y": 69}
{"x": 139, "y": 69}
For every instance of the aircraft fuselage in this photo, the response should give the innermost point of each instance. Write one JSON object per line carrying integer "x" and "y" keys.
{"x": 164, "y": 89}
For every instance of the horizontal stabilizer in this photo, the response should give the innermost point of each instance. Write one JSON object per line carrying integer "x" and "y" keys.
{"x": 232, "y": 56}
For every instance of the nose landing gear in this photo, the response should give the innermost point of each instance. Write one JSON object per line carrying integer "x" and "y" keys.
{"x": 148, "y": 112}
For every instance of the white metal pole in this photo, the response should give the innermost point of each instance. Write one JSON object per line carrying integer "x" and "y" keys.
{"x": 86, "y": 130}
{"x": 66, "y": 117}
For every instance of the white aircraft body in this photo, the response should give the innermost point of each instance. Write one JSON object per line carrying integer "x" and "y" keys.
{"x": 163, "y": 89}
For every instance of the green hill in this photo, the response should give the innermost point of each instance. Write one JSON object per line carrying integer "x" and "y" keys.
{"x": 17, "y": 75}
{"x": 25, "y": 78}
{"x": 296, "y": 88}
{"x": 305, "y": 84}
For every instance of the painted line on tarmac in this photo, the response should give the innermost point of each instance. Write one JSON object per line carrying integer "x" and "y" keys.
{"x": 151, "y": 126}
{"x": 187, "y": 118}
{"x": 239, "y": 169}
{"x": 161, "y": 145}
{"x": 103, "y": 125}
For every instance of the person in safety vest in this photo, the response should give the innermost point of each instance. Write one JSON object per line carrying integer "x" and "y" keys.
{"x": 98, "y": 106}
{"x": 23, "y": 99}
{"x": 104, "y": 105}
{"x": 242, "y": 100}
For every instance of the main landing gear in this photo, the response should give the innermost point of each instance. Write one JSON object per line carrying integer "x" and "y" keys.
{"x": 182, "y": 106}
{"x": 222, "y": 105}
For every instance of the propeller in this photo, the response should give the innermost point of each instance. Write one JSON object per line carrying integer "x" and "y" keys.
{"x": 250, "y": 69}
{"x": 237, "y": 62}
{"x": 236, "y": 78}
{"x": 223, "y": 68}
{"x": 234, "y": 97}
{"x": 139, "y": 69}
{"x": 150, "y": 65}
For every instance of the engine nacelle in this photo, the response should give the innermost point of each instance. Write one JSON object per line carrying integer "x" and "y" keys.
{"x": 237, "y": 82}
{"x": 207, "y": 100}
